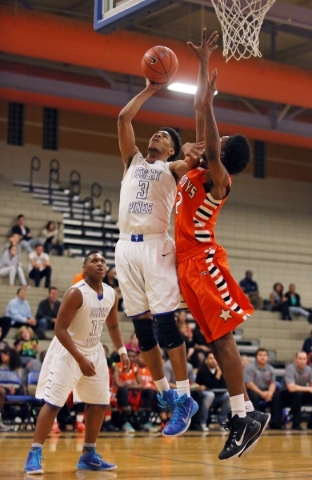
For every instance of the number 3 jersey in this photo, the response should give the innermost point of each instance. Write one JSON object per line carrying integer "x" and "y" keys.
{"x": 146, "y": 198}
{"x": 87, "y": 325}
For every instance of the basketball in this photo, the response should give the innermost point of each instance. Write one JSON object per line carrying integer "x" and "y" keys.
{"x": 159, "y": 64}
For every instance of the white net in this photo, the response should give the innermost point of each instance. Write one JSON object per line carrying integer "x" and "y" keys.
{"x": 241, "y": 22}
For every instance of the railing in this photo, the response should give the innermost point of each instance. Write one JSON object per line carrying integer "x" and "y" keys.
{"x": 35, "y": 165}
{"x": 54, "y": 177}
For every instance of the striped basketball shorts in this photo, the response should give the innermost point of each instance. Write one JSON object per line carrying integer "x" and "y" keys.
{"x": 214, "y": 299}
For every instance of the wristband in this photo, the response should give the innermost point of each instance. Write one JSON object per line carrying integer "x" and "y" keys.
{"x": 122, "y": 350}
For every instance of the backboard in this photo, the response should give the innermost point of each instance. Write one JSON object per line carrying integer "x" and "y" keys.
{"x": 113, "y": 15}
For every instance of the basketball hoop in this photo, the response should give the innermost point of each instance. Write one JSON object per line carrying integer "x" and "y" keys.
{"x": 241, "y": 22}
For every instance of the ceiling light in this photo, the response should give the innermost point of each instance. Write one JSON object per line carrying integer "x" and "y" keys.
{"x": 184, "y": 88}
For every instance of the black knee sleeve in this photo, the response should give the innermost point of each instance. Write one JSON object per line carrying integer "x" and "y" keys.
{"x": 145, "y": 334}
{"x": 168, "y": 328}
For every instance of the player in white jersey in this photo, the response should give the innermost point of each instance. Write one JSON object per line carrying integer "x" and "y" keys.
{"x": 75, "y": 361}
{"x": 145, "y": 254}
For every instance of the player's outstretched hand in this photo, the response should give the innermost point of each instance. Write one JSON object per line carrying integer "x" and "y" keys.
{"x": 125, "y": 363}
{"x": 87, "y": 367}
{"x": 207, "y": 47}
{"x": 193, "y": 150}
{"x": 155, "y": 86}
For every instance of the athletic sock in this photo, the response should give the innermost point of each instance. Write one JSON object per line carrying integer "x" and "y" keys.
{"x": 249, "y": 406}
{"x": 183, "y": 387}
{"x": 36, "y": 446}
{"x": 88, "y": 447}
{"x": 238, "y": 405}
{"x": 162, "y": 385}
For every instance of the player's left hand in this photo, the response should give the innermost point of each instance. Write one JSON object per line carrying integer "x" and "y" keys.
{"x": 193, "y": 150}
{"x": 125, "y": 363}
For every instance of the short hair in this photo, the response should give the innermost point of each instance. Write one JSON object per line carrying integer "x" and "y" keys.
{"x": 20, "y": 216}
{"x": 19, "y": 289}
{"x": 236, "y": 154}
{"x": 175, "y": 137}
{"x": 52, "y": 288}
{"x": 92, "y": 252}
{"x": 261, "y": 350}
{"x": 39, "y": 244}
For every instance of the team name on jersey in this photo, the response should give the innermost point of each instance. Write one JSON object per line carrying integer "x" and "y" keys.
{"x": 188, "y": 186}
{"x": 98, "y": 312}
{"x": 147, "y": 174}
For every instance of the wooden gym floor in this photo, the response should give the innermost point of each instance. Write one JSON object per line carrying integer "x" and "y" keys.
{"x": 278, "y": 455}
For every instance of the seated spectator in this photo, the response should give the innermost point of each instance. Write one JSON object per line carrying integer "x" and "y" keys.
{"x": 201, "y": 347}
{"x": 279, "y": 302}
{"x": 307, "y": 347}
{"x": 26, "y": 242}
{"x": 10, "y": 265}
{"x": 199, "y": 419}
{"x": 78, "y": 277}
{"x": 18, "y": 310}
{"x": 40, "y": 266}
{"x": 245, "y": 361}
{"x": 48, "y": 310}
{"x": 26, "y": 344}
{"x": 3, "y": 428}
{"x": 296, "y": 389}
{"x": 149, "y": 396}
{"x": 13, "y": 241}
{"x": 250, "y": 288}
{"x": 111, "y": 280}
{"x": 210, "y": 375}
{"x": 260, "y": 381}
{"x": 51, "y": 240}
{"x": 133, "y": 344}
{"x": 294, "y": 303}
{"x": 188, "y": 340}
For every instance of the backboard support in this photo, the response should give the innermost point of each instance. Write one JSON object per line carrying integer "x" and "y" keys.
{"x": 112, "y": 15}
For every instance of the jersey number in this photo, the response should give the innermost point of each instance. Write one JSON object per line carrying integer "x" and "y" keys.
{"x": 144, "y": 189}
{"x": 97, "y": 326}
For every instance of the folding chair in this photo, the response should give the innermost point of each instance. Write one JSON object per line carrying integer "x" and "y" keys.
{"x": 32, "y": 380}
{"x": 24, "y": 402}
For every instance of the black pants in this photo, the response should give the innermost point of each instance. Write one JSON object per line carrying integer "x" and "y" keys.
{"x": 5, "y": 324}
{"x": 275, "y": 405}
{"x": 295, "y": 400}
{"x": 37, "y": 275}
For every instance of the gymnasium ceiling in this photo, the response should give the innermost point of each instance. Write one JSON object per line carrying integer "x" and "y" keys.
{"x": 50, "y": 55}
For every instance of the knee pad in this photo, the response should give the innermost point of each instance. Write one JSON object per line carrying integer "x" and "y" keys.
{"x": 169, "y": 330}
{"x": 145, "y": 334}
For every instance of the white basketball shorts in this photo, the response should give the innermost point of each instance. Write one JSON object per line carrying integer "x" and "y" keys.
{"x": 60, "y": 375}
{"x": 146, "y": 272}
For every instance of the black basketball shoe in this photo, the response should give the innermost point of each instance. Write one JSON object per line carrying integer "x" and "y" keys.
{"x": 242, "y": 430}
{"x": 263, "y": 419}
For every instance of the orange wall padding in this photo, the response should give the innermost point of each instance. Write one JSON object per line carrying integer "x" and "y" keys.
{"x": 63, "y": 40}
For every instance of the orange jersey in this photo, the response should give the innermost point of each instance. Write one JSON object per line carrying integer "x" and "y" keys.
{"x": 128, "y": 378}
{"x": 146, "y": 377}
{"x": 196, "y": 212}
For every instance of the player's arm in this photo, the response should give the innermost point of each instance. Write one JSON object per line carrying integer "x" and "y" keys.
{"x": 217, "y": 172}
{"x": 126, "y": 135}
{"x": 69, "y": 306}
{"x": 203, "y": 53}
{"x": 116, "y": 334}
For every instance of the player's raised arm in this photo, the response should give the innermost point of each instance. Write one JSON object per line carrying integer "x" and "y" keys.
{"x": 217, "y": 171}
{"x": 203, "y": 53}
{"x": 126, "y": 135}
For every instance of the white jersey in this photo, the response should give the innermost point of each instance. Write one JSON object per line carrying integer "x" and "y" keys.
{"x": 87, "y": 325}
{"x": 147, "y": 197}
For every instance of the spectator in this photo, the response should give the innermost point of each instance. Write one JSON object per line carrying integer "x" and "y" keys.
{"x": 13, "y": 241}
{"x": 201, "y": 347}
{"x": 279, "y": 302}
{"x": 307, "y": 347}
{"x": 250, "y": 288}
{"x": 50, "y": 237}
{"x": 9, "y": 360}
{"x": 296, "y": 389}
{"x": 40, "y": 266}
{"x": 294, "y": 303}
{"x": 199, "y": 420}
{"x": 245, "y": 361}
{"x": 26, "y": 242}
{"x": 260, "y": 381}
{"x": 111, "y": 280}
{"x": 3, "y": 427}
{"x": 48, "y": 310}
{"x": 18, "y": 309}
{"x": 210, "y": 375}
{"x": 10, "y": 265}
{"x": 26, "y": 344}
{"x": 149, "y": 394}
{"x": 133, "y": 344}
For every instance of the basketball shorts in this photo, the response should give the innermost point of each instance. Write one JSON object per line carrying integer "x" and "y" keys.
{"x": 147, "y": 276}
{"x": 214, "y": 299}
{"x": 60, "y": 375}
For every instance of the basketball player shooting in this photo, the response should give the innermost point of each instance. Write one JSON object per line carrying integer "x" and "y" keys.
{"x": 214, "y": 298}
{"x": 145, "y": 254}
{"x": 75, "y": 361}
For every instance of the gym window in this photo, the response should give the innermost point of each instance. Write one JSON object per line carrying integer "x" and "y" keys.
{"x": 50, "y": 128}
{"x": 16, "y": 123}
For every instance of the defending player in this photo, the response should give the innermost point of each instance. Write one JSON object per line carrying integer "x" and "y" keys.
{"x": 212, "y": 295}
{"x": 75, "y": 361}
{"x": 145, "y": 254}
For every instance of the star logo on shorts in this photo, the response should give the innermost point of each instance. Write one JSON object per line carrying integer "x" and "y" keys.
{"x": 225, "y": 314}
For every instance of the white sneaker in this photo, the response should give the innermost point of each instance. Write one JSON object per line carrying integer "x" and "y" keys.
{"x": 204, "y": 427}
{"x": 149, "y": 427}
{"x": 128, "y": 428}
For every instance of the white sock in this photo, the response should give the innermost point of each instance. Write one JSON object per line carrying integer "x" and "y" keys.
{"x": 162, "y": 385}
{"x": 238, "y": 405}
{"x": 249, "y": 406}
{"x": 36, "y": 446}
{"x": 183, "y": 387}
